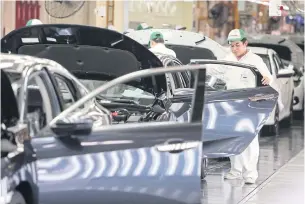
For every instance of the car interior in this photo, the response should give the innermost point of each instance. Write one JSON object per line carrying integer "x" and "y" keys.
{"x": 9, "y": 114}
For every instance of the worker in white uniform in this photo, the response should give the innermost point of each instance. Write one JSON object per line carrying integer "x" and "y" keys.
{"x": 245, "y": 164}
{"x": 156, "y": 45}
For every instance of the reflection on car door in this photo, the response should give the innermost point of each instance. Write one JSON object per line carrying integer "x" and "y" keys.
{"x": 135, "y": 163}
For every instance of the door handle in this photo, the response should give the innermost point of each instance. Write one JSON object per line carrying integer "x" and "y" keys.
{"x": 176, "y": 145}
{"x": 260, "y": 97}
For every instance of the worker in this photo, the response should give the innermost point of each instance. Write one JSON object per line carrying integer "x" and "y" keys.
{"x": 33, "y": 22}
{"x": 245, "y": 165}
{"x": 143, "y": 26}
{"x": 156, "y": 45}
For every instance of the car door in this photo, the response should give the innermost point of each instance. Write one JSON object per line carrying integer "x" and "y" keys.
{"x": 135, "y": 164}
{"x": 157, "y": 162}
{"x": 285, "y": 87}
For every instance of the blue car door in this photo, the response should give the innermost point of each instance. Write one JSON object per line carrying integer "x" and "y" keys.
{"x": 131, "y": 163}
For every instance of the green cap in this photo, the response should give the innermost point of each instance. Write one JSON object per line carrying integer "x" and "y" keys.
{"x": 143, "y": 26}
{"x": 154, "y": 36}
{"x": 236, "y": 35}
{"x": 33, "y": 22}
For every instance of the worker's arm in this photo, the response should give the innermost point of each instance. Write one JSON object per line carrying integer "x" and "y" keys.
{"x": 263, "y": 69}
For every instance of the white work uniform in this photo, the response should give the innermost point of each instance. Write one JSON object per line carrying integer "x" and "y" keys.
{"x": 162, "y": 49}
{"x": 245, "y": 164}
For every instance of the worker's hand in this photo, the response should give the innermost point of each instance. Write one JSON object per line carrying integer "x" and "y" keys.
{"x": 266, "y": 80}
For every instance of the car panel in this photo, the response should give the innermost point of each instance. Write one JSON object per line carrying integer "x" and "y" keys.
{"x": 103, "y": 44}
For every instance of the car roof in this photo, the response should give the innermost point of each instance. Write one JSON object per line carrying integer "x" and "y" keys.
{"x": 18, "y": 63}
{"x": 260, "y": 50}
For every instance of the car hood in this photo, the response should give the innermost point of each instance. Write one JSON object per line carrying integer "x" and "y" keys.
{"x": 187, "y": 45}
{"x": 84, "y": 49}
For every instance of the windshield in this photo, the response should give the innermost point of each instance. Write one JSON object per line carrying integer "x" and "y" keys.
{"x": 266, "y": 59}
{"x": 121, "y": 91}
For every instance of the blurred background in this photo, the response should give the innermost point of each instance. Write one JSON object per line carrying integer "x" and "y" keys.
{"x": 213, "y": 18}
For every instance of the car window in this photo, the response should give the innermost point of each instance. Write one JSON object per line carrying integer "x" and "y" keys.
{"x": 266, "y": 60}
{"x": 121, "y": 91}
{"x": 38, "y": 104}
{"x": 220, "y": 77}
{"x": 279, "y": 61}
{"x": 65, "y": 91}
{"x": 276, "y": 64}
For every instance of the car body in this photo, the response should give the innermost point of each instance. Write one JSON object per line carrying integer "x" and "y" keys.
{"x": 154, "y": 152}
{"x": 298, "y": 78}
{"x": 26, "y": 83}
{"x": 283, "y": 76}
{"x": 297, "y": 39}
{"x": 289, "y": 52}
{"x": 187, "y": 45}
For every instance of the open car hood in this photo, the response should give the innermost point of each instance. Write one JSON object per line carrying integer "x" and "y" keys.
{"x": 85, "y": 49}
{"x": 187, "y": 45}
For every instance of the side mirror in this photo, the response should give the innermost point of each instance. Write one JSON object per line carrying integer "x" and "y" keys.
{"x": 79, "y": 127}
{"x": 285, "y": 73}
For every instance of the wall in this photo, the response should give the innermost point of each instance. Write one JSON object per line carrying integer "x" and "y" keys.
{"x": 85, "y": 16}
{"x": 156, "y": 13}
{"x": 8, "y": 10}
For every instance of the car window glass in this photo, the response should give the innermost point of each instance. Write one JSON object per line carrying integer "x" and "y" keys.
{"x": 266, "y": 60}
{"x": 221, "y": 77}
{"x": 38, "y": 109}
{"x": 279, "y": 61}
{"x": 276, "y": 64}
{"x": 65, "y": 92}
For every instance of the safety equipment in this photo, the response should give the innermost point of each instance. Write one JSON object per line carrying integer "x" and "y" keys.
{"x": 155, "y": 36}
{"x": 143, "y": 26}
{"x": 33, "y": 22}
{"x": 236, "y": 35}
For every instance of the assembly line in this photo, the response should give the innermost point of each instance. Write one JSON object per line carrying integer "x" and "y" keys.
{"x": 92, "y": 115}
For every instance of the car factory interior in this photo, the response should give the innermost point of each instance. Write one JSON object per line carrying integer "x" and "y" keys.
{"x": 152, "y": 101}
